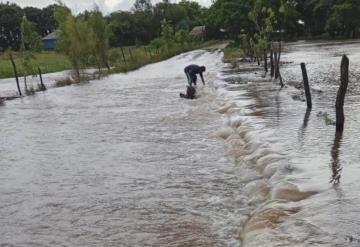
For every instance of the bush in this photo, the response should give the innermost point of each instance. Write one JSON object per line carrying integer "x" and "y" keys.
{"x": 64, "y": 82}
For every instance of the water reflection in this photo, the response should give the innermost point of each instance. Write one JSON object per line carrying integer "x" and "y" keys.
{"x": 304, "y": 126}
{"x": 277, "y": 102}
{"x": 335, "y": 163}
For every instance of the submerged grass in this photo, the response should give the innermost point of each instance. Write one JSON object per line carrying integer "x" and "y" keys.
{"x": 232, "y": 53}
{"x": 48, "y": 61}
{"x": 135, "y": 57}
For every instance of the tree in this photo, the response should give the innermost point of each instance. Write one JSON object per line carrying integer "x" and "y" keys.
{"x": 145, "y": 26}
{"x": 263, "y": 19}
{"x": 122, "y": 25}
{"x": 288, "y": 18}
{"x": 230, "y": 16}
{"x": 344, "y": 18}
{"x": 167, "y": 34}
{"x": 142, "y": 5}
{"x": 195, "y": 14}
{"x": 101, "y": 32}
{"x": 314, "y": 14}
{"x": 30, "y": 41}
{"x": 181, "y": 37}
{"x": 75, "y": 39}
{"x": 10, "y": 20}
{"x": 48, "y": 23}
{"x": 171, "y": 12}
{"x": 157, "y": 43}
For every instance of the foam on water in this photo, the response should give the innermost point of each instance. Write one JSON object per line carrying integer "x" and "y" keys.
{"x": 294, "y": 172}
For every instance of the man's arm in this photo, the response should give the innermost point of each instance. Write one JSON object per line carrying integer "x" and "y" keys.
{"x": 202, "y": 78}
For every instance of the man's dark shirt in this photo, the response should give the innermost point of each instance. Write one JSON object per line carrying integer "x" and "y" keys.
{"x": 192, "y": 70}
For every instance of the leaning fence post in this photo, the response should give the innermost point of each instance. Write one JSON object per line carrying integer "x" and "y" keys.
{"x": 340, "y": 118}
{"x": 41, "y": 80}
{"x": 15, "y": 72}
{"x": 123, "y": 55}
{"x": 306, "y": 85}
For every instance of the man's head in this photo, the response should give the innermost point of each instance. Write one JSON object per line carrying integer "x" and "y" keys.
{"x": 203, "y": 68}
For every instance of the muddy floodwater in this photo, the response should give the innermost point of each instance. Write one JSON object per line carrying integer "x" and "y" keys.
{"x": 123, "y": 161}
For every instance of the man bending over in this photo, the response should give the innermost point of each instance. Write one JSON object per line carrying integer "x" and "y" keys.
{"x": 191, "y": 71}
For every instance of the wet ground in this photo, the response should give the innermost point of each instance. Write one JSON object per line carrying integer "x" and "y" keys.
{"x": 318, "y": 160}
{"x": 123, "y": 161}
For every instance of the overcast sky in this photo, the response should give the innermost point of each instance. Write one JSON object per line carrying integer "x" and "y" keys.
{"x": 106, "y": 6}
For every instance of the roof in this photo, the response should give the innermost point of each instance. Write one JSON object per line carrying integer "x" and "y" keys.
{"x": 198, "y": 30}
{"x": 50, "y": 36}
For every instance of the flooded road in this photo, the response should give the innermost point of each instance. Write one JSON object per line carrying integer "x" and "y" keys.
{"x": 123, "y": 161}
{"x": 119, "y": 162}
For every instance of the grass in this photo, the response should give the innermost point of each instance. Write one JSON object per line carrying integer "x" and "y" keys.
{"x": 48, "y": 61}
{"x": 136, "y": 57}
{"x": 232, "y": 53}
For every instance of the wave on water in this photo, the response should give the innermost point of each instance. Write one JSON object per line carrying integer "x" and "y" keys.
{"x": 273, "y": 196}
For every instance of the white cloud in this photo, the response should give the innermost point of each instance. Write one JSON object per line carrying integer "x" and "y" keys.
{"x": 77, "y": 6}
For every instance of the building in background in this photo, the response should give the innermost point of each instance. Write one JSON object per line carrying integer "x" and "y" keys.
{"x": 198, "y": 32}
{"x": 49, "y": 41}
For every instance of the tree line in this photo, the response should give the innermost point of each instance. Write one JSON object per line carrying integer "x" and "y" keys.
{"x": 224, "y": 18}
{"x": 297, "y": 18}
{"x": 138, "y": 26}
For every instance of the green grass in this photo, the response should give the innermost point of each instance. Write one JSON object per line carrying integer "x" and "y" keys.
{"x": 137, "y": 57}
{"x": 48, "y": 61}
{"x": 51, "y": 61}
{"x": 232, "y": 53}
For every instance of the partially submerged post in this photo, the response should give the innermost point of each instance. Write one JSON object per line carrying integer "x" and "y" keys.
{"x": 275, "y": 65}
{"x": 271, "y": 61}
{"x": 15, "y": 73}
{"x": 306, "y": 86}
{"x": 335, "y": 163}
{"x": 277, "y": 60}
{"x": 340, "y": 118}
{"x": 265, "y": 61}
{"x": 43, "y": 88}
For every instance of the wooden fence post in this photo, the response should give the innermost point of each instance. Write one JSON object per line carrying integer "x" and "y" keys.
{"x": 340, "y": 118}
{"x": 123, "y": 55}
{"x": 306, "y": 85}
{"x": 272, "y": 62}
{"x": 276, "y": 71}
{"x": 265, "y": 61}
{"x": 150, "y": 53}
{"x": 43, "y": 88}
{"x": 277, "y": 57}
{"x": 15, "y": 73}
{"x": 130, "y": 53}
{"x": 335, "y": 164}
{"x": 146, "y": 53}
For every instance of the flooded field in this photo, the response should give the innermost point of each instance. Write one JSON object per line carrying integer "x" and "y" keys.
{"x": 123, "y": 161}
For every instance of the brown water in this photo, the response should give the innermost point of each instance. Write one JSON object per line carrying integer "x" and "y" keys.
{"x": 124, "y": 162}
{"x": 118, "y": 162}
{"x": 307, "y": 158}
